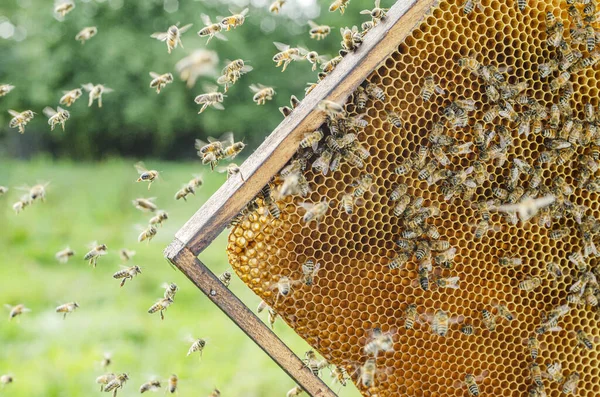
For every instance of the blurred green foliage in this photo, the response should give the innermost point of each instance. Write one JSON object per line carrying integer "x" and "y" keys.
{"x": 52, "y": 357}
{"x": 42, "y": 59}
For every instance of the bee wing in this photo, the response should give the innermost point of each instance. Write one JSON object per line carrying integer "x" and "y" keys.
{"x": 199, "y": 144}
{"x": 13, "y": 113}
{"x": 60, "y": 109}
{"x": 93, "y": 244}
{"x": 544, "y": 201}
{"x": 226, "y": 139}
{"x": 253, "y": 88}
{"x": 140, "y": 167}
{"x": 221, "y": 36}
{"x": 245, "y": 11}
{"x": 456, "y": 319}
{"x": 281, "y": 46}
{"x": 185, "y": 28}
{"x": 154, "y": 75}
{"x": 312, "y": 24}
{"x": 482, "y": 376}
{"x": 323, "y": 58}
{"x": 9, "y": 307}
{"x": 88, "y": 86}
{"x": 246, "y": 69}
{"x": 205, "y": 19}
{"x": 161, "y": 36}
{"x": 365, "y": 12}
{"x": 307, "y": 206}
{"x": 48, "y": 111}
{"x": 508, "y": 208}
{"x": 459, "y": 384}
{"x": 221, "y": 169}
{"x": 218, "y": 106}
{"x": 107, "y": 90}
{"x": 222, "y": 80}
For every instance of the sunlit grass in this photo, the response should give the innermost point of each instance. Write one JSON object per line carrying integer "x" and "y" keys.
{"x": 50, "y": 356}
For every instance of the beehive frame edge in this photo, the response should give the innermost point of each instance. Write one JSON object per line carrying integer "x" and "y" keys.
{"x": 212, "y": 218}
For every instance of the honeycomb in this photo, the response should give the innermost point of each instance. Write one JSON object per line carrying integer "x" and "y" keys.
{"x": 356, "y": 290}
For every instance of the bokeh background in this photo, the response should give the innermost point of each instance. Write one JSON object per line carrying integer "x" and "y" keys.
{"x": 92, "y": 182}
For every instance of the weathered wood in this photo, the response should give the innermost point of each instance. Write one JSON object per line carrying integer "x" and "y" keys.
{"x": 281, "y": 145}
{"x": 206, "y": 281}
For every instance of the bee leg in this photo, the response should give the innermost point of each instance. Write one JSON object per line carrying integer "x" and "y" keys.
{"x": 162, "y": 316}
{"x": 100, "y": 101}
{"x": 123, "y": 282}
{"x": 65, "y": 316}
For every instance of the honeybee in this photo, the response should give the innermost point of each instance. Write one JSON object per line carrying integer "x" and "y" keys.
{"x": 379, "y": 342}
{"x": 5, "y": 89}
{"x": 16, "y": 310}
{"x": 284, "y": 286}
{"x": 332, "y": 109}
{"x": 172, "y": 36}
{"x": 315, "y": 59}
{"x": 488, "y": 319}
{"x": 20, "y": 119}
{"x": 440, "y": 322}
{"x": 86, "y": 33}
{"x": 363, "y": 185}
{"x": 145, "y": 175}
{"x": 339, "y": 5}
{"x": 97, "y": 250}
{"x": 448, "y": 282}
{"x": 377, "y": 13}
{"x": 570, "y": 385}
{"x": 530, "y": 284}
{"x": 262, "y": 94}
{"x": 351, "y": 38}
{"x": 197, "y": 346}
{"x": 318, "y": 32}
{"x": 560, "y": 81}
{"x": 287, "y": 54}
{"x": 159, "y": 218}
{"x": 170, "y": 290}
{"x": 225, "y": 278}
{"x": 272, "y": 316}
{"x": 510, "y": 261}
{"x": 234, "y": 20}
{"x": 106, "y": 360}
{"x": 555, "y": 371}
{"x": 504, "y": 312}
{"x": 446, "y": 258}
{"x": 429, "y": 87}
{"x": 559, "y": 234}
{"x": 20, "y": 205}
{"x": 145, "y": 204}
{"x": 295, "y": 391}
{"x": 3, "y": 190}
{"x": 232, "y": 169}
{"x": 127, "y": 273}
{"x": 309, "y": 271}
{"x": 536, "y": 374}
{"x": 95, "y": 93}
{"x": 398, "y": 261}
{"x": 469, "y": 6}
{"x": 368, "y": 372}
{"x": 63, "y": 255}
{"x": 471, "y": 383}
{"x": 232, "y": 72}
{"x": 312, "y": 363}
{"x": 483, "y": 228}
{"x": 58, "y": 116}
{"x": 211, "y": 29}
{"x": 117, "y": 383}
{"x": 398, "y": 191}
{"x": 104, "y": 380}
{"x": 328, "y": 66}
{"x": 467, "y": 329}
{"x": 211, "y": 98}
{"x": 67, "y": 308}
{"x": 528, "y": 207}
{"x": 160, "y": 306}
{"x": 160, "y": 81}
{"x": 410, "y": 316}
{"x": 215, "y": 393}
{"x": 172, "y": 384}
{"x": 393, "y": 118}
{"x": 583, "y": 340}
{"x": 374, "y": 91}
{"x": 63, "y": 7}
{"x": 339, "y": 375}
{"x": 69, "y": 97}
{"x": 231, "y": 151}
{"x": 152, "y": 385}
{"x": 147, "y": 234}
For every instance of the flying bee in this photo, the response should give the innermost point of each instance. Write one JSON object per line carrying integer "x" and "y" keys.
{"x": 530, "y": 284}
{"x": 295, "y": 391}
{"x": 172, "y": 36}
{"x": 63, "y": 7}
{"x": 570, "y": 385}
{"x": 318, "y": 32}
{"x": 185, "y": 191}
{"x": 232, "y": 169}
{"x": 160, "y": 306}
{"x": 284, "y": 286}
{"x": 69, "y": 97}
{"x": 262, "y": 94}
{"x": 470, "y": 383}
{"x": 172, "y": 384}
{"x": 170, "y": 290}
{"x": 287, "y": 54}
{"x": 63, "y": 256}
{"x": 351, "y": 38}
{"x": 3, "y": 190}
{"x": 67, "y": 308}
{"x": 232, "y": 72}
{"x": 86, "y": 33}
{"x": 379, "y": 342}
{"x": 315, "y": 59}
{"x": 106, "y": 360}
{"x": 309, "y": 271}
{"x": 275, "y": 7}
{"x": 339, "y": 5}
{"x": 16, "y": 310}
{"x": 393, "y": 118}
{"x": 117, "y": 383}
{"x": 147, "y": 234}
{"x": 20, "y": 205}
{"x": 377, "y": 13}
{"x": 145, "y": 204}
{"x": 469, "y": 6}
{"x": 211, "y": 98}
{"x": 197, "y": 346}
{"x": 97, "y": 250}
{"x": 5, "y": 89}
{"x": 234, "y": 20}
{"x": 160, "y": 81}
{"x": 211, "y": 29}
{"x": 58, "y": 116}
{"x": 104, "y": 380}
{"x": 528, "y": 207}
{"x": 127, "y": 273}
{"x": 146, "y": 175}
{"x": 159, "y": 218}
{"x": 440, "y": 322}
{"x": 20, "y": 119}
{"x": 95, "y": 92}
{"x": 152, "y": 385}
{"x": 332, "y": 109}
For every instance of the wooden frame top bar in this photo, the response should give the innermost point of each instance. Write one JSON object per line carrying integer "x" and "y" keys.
{"x": 206, "y": 224}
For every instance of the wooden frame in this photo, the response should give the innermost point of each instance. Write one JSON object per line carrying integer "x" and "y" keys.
{"x": 208, "y": 222}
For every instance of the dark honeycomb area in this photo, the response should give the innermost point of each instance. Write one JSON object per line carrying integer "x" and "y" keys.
{"x": 356, "y": 290}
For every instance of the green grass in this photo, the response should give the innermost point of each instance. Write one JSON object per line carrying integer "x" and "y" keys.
{"x": 92, "y": 201}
